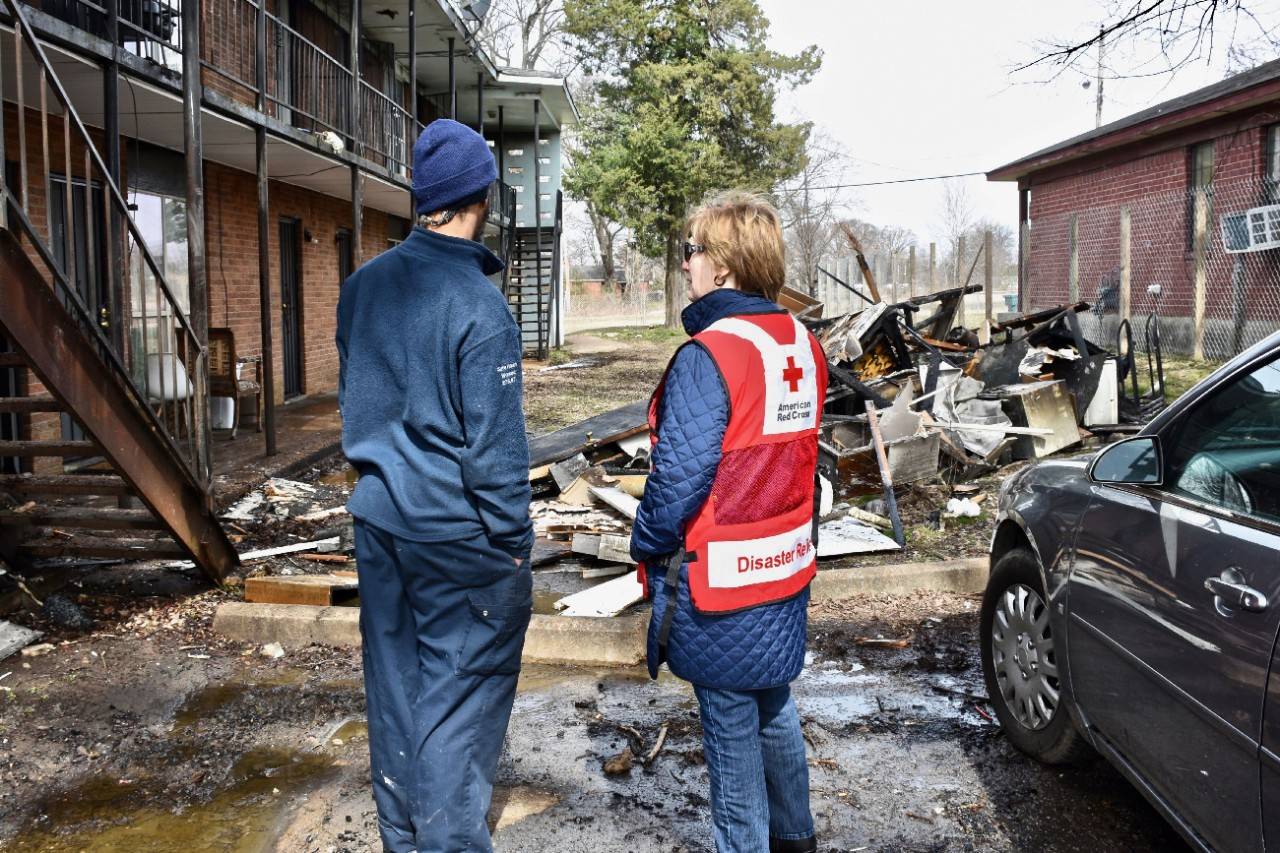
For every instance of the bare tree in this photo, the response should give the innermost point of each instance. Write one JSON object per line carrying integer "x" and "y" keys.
{"x": 811, "y": 209}
{"x": 1163, "y": 36}
{"x": 606, "y": 233}
{"x": 527, "y": 34}
{"x": 956, "y": 217}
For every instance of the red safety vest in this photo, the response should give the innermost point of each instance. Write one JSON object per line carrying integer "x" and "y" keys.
{"x": 751, "y": 542}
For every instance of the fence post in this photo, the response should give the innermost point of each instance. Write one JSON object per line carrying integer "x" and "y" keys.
{"x": 1239, "y": 311}
{"x": 1199, "y": 244}
{"x": 933, "y": 267}
{"x": 1073, "y": 269}
{"x": 911, "y": 269}
{"x": 988, "y": 278}
{"x": 1126, "y": 268}
{"x": 961, "y": 254}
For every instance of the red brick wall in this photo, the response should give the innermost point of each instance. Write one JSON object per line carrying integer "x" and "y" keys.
{"x": 1150, "y": 179}
{"x": 232, "y": 233}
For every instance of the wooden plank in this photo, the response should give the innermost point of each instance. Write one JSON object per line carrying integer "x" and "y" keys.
{"x": 546, "y": 551}
{"x": 28, "y": 405}
{"x": 316, "y": 590}
{"x": 617, "y": 499}
{"x": 586, "y": 543}
{"x": 606, "y": 599}
{"x": 615, "y": 549}
{"x": 110, "y": 549}
{"x": 65, "y": 484}
{"x": 593, "y": 432}
{"x": 568, "y": 470}
{"x": 48, "y": 448}
{"x": 94, "y": 518}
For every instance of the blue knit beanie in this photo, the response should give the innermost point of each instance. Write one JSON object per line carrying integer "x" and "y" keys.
{"x": 451, "y": 163}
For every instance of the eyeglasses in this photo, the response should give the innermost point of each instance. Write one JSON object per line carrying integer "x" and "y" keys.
{"x": 691, "y": 249}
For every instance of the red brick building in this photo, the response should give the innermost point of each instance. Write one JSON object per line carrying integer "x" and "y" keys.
{"x": 1146, "y": 201}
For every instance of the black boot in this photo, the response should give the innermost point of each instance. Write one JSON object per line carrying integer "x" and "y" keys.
{"x": 793, "y": 845}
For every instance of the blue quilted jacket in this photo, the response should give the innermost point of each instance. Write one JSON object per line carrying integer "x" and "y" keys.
{"x": 750, "y": 650}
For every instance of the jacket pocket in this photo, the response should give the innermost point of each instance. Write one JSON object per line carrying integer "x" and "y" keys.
{"x": 494, "y": 638}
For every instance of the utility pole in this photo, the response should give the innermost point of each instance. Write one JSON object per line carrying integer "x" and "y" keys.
{"x": 1098, "y": 79}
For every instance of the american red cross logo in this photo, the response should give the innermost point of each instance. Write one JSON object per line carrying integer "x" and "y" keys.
{"x": 792, "y": 375}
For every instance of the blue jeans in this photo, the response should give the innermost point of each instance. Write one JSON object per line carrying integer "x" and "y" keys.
{"x": 759, "y": 778}
{"x": 443, "y": 626}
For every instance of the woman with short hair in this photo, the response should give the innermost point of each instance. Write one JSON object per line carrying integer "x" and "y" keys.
{"x": 725, "y": 533}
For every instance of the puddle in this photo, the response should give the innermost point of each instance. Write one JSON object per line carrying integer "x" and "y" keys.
{"x": 243, "y": 815}
{"x": 208, "y": 701}
{"x": 544, "y": 601}
{"x": 342, "y": 477}
{"x": 514, "y": 804}
{"x": 348, "y": 732}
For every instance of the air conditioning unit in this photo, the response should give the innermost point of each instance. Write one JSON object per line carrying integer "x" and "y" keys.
{"x": 1254, "y": 230}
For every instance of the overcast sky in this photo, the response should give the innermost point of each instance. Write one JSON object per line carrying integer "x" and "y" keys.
{"x": 924, "y": 88}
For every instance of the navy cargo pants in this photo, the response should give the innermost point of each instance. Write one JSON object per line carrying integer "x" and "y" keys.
{"x": 443, "y": 627}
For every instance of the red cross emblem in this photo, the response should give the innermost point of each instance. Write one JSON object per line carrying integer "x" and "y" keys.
{"x": 792, "y": 375}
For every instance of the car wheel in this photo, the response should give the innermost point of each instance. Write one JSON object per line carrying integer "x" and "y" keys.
{"x": 1020, "y": 665}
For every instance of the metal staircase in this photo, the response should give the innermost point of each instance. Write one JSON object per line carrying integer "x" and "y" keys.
{"x": 533, "y": 278}
{"x": 135, "y": 395}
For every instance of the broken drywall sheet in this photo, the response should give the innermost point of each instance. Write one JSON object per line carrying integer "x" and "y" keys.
{"x": 607, "y": 599}
{"x": 847, "y": 536}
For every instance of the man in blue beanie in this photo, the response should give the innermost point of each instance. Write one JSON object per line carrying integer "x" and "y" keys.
{"x": 430, "y": 392}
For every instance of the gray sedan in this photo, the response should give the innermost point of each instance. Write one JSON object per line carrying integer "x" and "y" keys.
{"x": 1134, "y": 605}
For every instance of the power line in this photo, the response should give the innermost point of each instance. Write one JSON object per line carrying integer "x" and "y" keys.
{"x": 898, "y": 181}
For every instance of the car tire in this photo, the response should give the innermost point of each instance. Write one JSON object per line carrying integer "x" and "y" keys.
{"x": 1019, "y": 666}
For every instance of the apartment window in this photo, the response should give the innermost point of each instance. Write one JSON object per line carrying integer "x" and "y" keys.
{"x": 515, "y": 152}
{"x": 1271, "y": 166}
{"x": 1200, "y": 185}
{"x": 515, "y": 170}
{"x": 544, "y": 179}
{"x": 545, "y": 161}
{"x": 519, "y": 188}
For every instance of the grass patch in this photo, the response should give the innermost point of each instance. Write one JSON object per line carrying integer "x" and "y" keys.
{"x": 559, "y": 355}
{"x": 659, "y": 335}
{"x": 1181, "y": 373}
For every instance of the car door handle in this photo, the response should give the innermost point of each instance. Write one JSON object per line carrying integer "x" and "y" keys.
{"x": 1234, "y": 593}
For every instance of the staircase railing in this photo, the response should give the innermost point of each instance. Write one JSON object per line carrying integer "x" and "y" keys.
{"x": 160, "y": 362}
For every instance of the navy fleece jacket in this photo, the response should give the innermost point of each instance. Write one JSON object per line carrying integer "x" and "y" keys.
{"x": 430, "y": 391}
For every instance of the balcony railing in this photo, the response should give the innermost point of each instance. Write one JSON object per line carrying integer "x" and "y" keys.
{"x": 387, "y": 131}
{"x": 150, "y": 29}
{"x": 304, "y": 85}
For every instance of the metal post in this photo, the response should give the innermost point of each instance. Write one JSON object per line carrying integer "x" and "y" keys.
{"x": 988, "y": 279}
{"x": 198, "y": 285}
{"x": 266, "y": 315}
{"x": 1126, "y": 269}
{"x": 413, "y": 95}
{"x": 933, "y": 267}
{"x": 480, "y": 104}
{"x": 537, "y": 216}
{"x": 357, "y": 202}
{"x": 111, "y": 132}
{"x": 1073, "y": 261}
{"x": 502, "y": 144}
{"x": 453, "y": 85}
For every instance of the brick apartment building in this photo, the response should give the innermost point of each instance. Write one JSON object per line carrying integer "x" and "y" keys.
{"x": 1168, "y": 196}
{"x": 301, "y": 115}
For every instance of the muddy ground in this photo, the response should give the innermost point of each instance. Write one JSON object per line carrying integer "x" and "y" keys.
{"x": 148, "y": 733}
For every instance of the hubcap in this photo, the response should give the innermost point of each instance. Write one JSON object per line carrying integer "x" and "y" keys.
{"x": 1022, "y": 652}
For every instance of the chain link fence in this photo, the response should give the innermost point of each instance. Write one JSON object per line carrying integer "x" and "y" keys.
{"x": 1196, "y": 259}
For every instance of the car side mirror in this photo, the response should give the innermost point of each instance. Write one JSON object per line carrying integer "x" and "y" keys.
{"x": 1135, "y": 461}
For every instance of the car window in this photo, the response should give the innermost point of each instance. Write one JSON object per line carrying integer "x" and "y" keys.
{"x": 1226, "y": 450}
